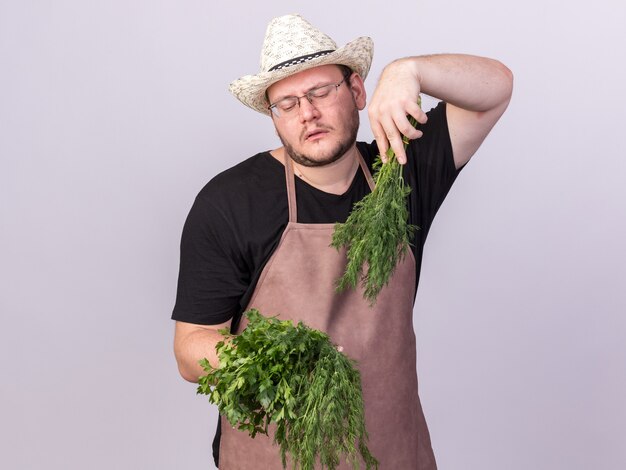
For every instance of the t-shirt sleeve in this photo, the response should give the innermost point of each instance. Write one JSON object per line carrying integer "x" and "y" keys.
{"x": 212, "y": 275}
{"x": 430, "y": 169}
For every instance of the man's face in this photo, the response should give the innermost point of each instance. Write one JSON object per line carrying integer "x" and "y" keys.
{"x": 317, "y": 136}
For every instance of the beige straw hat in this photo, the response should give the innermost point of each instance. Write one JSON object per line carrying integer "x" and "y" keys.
{"x": 292, "y": 45}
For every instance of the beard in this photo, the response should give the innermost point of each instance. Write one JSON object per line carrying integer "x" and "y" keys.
{"x": 337, "y": 151}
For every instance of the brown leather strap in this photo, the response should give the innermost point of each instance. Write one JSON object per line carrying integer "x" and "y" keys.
{"x": 366, "y": 172}
{"x": 291, "y": 188}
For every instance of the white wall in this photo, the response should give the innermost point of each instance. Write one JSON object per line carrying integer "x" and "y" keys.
{"x": 114, "y": 114}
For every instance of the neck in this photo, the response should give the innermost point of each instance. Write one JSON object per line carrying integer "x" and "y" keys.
{"x": 334, "y": 178}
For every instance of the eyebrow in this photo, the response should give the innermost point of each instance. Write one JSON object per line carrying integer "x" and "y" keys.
{"x": 319, "y": 85}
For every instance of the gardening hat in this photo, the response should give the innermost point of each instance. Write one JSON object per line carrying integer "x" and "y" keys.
{"x": 292, "y": 45}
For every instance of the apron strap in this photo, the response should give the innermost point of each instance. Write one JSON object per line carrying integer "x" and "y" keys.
{"x": 291, "y": 189}
{"x": 291, "y": 185}
{"x": 366, "y": 172}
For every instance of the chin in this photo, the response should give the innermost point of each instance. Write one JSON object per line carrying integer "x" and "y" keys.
{"x": 315, "y": 160}
{"x": 320, "y": 157}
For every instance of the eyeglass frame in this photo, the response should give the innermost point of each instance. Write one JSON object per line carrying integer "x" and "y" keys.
{"x": 276, "y": 112}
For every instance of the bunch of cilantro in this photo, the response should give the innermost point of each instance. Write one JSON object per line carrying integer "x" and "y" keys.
{"x": 293, "y": 376}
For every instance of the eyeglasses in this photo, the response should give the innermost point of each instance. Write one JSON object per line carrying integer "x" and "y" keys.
{"x": 318, "y": 97}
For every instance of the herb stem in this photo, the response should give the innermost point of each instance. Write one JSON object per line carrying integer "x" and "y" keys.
{"x": 377, "y": 234}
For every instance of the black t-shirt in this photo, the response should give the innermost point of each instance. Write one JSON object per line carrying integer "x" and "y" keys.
{"x": 238, "y": 218}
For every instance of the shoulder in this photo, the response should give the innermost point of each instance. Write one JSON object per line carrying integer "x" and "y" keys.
{"x": 434, "y": 146}
{"x": 244, "y": 197}
{"x": 242, "y": 183}
{"x": 258, "y": 171}
{"x": 437, "y": 119}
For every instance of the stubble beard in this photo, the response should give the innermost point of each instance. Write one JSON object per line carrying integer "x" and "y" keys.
{"x": 335, "y": 153}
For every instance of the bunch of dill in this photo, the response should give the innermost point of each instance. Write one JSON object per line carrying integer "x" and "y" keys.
{"x": 293, "y": 376}
{"x": 377, "y": 234}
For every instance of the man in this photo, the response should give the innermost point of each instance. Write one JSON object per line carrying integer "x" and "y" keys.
{"x": 258, "y": 234}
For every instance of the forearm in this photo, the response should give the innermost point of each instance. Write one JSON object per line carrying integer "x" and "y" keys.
{"x": 466, "y": 81}
{"x": 193, "y": 343}
{"x": 477, "y": 90}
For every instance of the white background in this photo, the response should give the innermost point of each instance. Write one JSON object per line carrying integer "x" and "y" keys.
{"x": 114, "y": 114}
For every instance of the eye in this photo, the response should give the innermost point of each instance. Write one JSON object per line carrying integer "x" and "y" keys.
{"x": 287, "y": 104}
{"x": 321, "y": 92}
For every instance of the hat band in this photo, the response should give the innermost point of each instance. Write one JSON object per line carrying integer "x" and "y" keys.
{"x": 299, "y": 60}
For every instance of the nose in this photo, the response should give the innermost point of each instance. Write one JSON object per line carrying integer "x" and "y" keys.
{"x": 307, "y": 110}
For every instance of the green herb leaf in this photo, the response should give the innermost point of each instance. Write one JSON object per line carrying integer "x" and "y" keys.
{"x": 293, "y": 376}
{"x": 377, "y": 234}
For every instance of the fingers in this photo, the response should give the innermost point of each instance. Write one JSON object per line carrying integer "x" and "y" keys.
{"x": 414, "y": 110}
{"x": 381, "y": 139}
{"x": 390, "y": 127}
{"x": 396, "y": 97}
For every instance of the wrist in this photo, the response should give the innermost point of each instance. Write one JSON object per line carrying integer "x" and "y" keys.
{"x": 407, "y": 68}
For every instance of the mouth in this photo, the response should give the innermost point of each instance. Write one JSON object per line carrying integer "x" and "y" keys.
{"x": 315, "y": 134}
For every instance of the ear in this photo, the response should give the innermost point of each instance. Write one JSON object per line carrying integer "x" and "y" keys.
{"x": 357, "y": 87}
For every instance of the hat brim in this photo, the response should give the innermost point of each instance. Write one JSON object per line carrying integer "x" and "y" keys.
{"x": 250, "y": 89}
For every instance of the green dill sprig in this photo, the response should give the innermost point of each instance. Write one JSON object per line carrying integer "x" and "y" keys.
{"x": 377, "y": 234}
{"x": 293, "y": 376}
